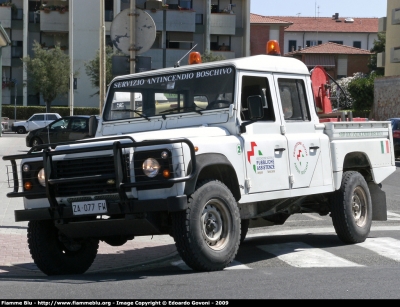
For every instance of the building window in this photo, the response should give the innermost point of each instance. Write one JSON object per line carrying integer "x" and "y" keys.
{"x": 108, "y": 10}
{"x": 17, "y": 14}
{"x": 337, "y": 42}
{"x": 16, "y": 49}
{"x": 158, "y": 41}
{"x": 313, "y": 43}
{"x": 357, "y": 44}
{"x": 199, "y": 19}
{"x": 292, "y": 45}
{"x": 185, "y": 4}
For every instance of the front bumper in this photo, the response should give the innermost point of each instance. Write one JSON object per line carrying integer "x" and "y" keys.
{"x": 171, "y": 204}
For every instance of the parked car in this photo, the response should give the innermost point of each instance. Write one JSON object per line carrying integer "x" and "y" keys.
{"x": 65, "y": 129}
{"x": 38, "y": 120}
{"x": 396, "y": 135}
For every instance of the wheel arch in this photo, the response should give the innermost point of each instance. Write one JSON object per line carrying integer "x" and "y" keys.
{"x": 358, "y": 161}
{"x": 214, "y": 166}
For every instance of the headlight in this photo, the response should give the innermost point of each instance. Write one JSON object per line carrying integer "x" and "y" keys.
{"x": 151, "y": 167}
{"x": 41, "y": 177}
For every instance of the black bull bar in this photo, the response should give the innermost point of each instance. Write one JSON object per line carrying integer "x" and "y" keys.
{"x": 121, "y": 179}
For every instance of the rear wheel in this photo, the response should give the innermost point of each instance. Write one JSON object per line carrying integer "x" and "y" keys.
{"x": 207, "y": 234}
{"x": 352, "y": 209}
{"x": 21, "y": 130}
{"x": 55, "y": 254}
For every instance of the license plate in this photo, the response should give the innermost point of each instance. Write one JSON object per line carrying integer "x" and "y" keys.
{"x": 89, "y": 207}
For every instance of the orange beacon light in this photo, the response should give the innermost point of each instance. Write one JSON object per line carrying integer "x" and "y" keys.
{"x": 194, "y": 58}
{"x": 273, "y": 48}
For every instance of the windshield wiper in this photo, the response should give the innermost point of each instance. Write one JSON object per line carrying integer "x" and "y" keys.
{"x": 193, "y": 109}
{"x": 134, "y": 111}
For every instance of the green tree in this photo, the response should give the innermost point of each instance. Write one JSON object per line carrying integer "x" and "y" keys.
{"x": 210, "y": 57}
{"x": 92, "y": 69}
{"x": 48, "y": 72}
{"x": 379, "y": 46}
{"x": 362, "y": 92}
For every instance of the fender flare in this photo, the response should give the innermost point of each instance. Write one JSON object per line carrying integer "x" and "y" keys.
{"x": 203, "y": 161}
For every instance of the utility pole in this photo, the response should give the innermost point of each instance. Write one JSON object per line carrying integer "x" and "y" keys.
{"x": 132, "y": 46}
{"x": 207, "y": 31}
{"x": 102, "y": 58}
{"x": 71, "y": 57}
{"x": 132, "y": 49}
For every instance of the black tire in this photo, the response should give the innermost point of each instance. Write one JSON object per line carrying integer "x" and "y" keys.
{"x": 352, "y": 209}
{"x": 54, "y": 254}
{"x": 244, "y": 227}
{"x": 21, "y": 130}
{"x": 207, "y": 234}
{"x": 36, "y": 141}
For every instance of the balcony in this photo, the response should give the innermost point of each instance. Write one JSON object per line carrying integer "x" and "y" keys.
{"x": 5, "y": 16}
{"x": 222, "y": 24}
{"x": 175, "y": 20}
{"x": 54, "y": 21}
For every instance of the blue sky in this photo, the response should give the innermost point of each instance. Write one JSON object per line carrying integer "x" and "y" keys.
{"x": 326, "y": 8}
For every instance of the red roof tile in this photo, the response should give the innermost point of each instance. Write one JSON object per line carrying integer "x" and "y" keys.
{"x": 329, "y": 48}
{"x": 322, "y": 24}
{"x": 254, "y": 18}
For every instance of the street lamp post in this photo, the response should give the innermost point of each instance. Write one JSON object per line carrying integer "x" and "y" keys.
{"x": 4, "y": 41}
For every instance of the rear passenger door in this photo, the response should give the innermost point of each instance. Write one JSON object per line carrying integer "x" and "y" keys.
{"x": 304, "y": 148}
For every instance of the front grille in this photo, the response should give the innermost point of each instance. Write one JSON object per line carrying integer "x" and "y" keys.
{"x": 103, "y": 166}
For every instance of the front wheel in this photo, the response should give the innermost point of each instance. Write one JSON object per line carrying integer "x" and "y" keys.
{"x": 21, "y": 130}
{"x": 36, "y": 142}
{"x": 207, "y": 234}
{"x": 352, "y": 209}
{"x": 55, "y": 254}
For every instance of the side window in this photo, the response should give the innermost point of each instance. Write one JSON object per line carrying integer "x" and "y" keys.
{"x": 37, "y": 118}
{"x": 51, "y": 117}
{"x": 256, "y": 86}
{"x": 293, "y": 99}
{"x": 60, "y": 125}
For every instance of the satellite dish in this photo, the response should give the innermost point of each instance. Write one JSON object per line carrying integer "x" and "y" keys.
{"x": 145, "y": 31}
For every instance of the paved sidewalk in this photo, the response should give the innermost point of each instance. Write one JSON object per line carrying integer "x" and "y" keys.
{"x": 15, "y": 258}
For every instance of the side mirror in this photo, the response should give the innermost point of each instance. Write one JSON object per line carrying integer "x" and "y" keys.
{"x": 255, "y": 107}
{"x": 93, "y": 122}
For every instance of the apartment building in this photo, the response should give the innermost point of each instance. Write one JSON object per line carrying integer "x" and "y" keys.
{"x": 296, "y": 33}
{"x": 221, "y": 26}
{"x": 390, "y": 24}
{"x": 387, "y": 89}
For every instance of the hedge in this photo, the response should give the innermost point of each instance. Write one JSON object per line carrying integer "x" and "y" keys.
{"x": 26, "y": 112}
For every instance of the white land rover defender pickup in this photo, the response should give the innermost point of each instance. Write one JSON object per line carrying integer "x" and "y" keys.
{"x": 238, "y": 144}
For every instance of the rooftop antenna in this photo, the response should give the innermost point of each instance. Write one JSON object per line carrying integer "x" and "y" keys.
{"x": 177, "y": 64}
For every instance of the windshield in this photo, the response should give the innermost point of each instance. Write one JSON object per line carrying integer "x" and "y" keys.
{"x": 193, "y": 91}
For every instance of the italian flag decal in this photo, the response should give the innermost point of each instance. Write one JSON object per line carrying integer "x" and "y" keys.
{"x": 385, "y": 146}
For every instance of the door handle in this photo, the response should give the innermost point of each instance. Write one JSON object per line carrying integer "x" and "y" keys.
{"x": 280, "y": 149}
{"x": 314, "y": 147}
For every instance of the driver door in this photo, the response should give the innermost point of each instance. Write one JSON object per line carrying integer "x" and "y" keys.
{"x": 265, "y": 148}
